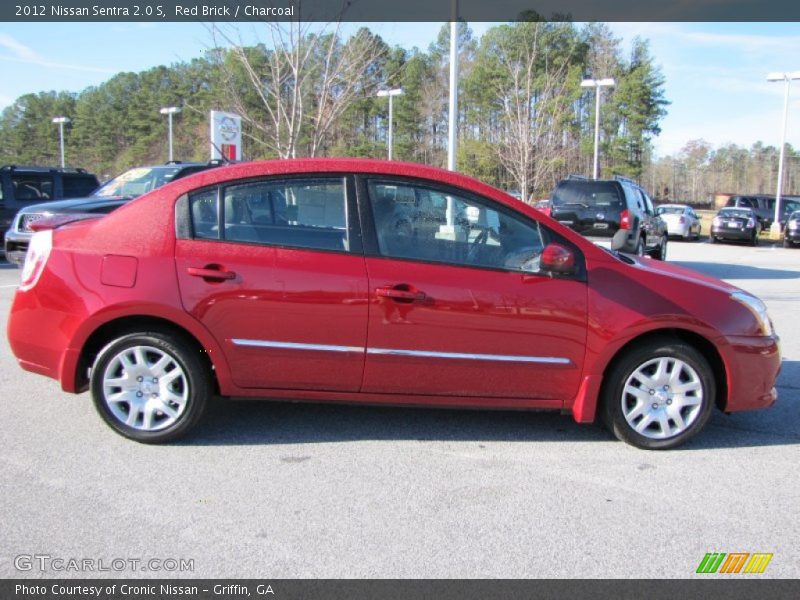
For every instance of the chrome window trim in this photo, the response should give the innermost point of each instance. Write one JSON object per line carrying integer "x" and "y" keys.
{"x": 549, "y": 360}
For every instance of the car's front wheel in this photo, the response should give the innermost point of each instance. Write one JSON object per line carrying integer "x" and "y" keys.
{"x": 151, "y": 387}
{"x": 658, "y": 394}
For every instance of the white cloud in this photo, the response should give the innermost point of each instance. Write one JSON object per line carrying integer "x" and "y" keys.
{"x": 20, "y": 53}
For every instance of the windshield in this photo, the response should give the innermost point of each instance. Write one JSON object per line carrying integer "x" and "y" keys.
{"x": 582, "y": 193}
{"x": 735, "y": 212}
{"x": 669, "y": 210}
{"x": 136, "y": 182}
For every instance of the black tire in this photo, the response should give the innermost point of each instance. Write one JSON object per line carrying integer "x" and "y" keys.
{"x": 712, "y": 239}
{"x": 176, "y": 403}
{"x": 754, "y": 241}
{"x": 614, "y": 396}
{"x": 787, "y": 243}
{"x": 660, "y": 253}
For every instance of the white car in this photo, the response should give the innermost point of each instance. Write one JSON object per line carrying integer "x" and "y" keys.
{"x": 681, "y": 220}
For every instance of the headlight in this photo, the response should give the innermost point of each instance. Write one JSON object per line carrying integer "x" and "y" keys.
{"x": 716, "y": 221}
{"x": 794, "y": 224}
{"x": 758, "y": 308}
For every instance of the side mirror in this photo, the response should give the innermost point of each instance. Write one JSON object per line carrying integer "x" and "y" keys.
{"x": 557, "y": 259}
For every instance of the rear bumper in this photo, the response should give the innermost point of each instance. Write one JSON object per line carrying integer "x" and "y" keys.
{"x": 732, "y": 234}
{"x": 753, "y": 364}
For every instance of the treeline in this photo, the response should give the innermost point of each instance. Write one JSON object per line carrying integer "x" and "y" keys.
{"x": 524, "y": 121}
{"x": 699, "y": 171}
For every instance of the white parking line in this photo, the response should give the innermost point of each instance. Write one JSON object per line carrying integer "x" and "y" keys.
{"x": 8, "y": 286}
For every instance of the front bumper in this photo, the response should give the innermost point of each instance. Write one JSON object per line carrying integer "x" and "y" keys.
{"x": 16, "y": 246}
{"x": 793, "y": 235}
{"x": 753, "y": 365}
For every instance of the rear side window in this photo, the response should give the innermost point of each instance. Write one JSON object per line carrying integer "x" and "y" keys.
{"x": 76, "y": 187}
{"x": 297, "y": 213}
{"x": 588, "y": 194}
{"x": 32, "y": 187}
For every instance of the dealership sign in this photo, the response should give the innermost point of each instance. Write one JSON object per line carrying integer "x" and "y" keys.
{"x": 226, "y": 135}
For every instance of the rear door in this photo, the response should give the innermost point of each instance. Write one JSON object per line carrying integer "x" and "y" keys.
{"x": 274, "y": 269}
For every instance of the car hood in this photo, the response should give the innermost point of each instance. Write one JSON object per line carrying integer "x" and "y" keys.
{"x": 73, "y": 204}
{"x": 682, "y": 274}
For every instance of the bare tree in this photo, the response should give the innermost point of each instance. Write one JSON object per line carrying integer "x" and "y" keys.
{"x": 292, "y": 90}
{"x": 535, "y": 104}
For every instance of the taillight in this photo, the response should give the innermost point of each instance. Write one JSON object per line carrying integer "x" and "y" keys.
{"x": 750, "y": 223}
{"x": 36, "y": 258}
{"x": 625, "y": 219}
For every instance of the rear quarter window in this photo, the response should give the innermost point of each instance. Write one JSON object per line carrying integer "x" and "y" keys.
{"x": 75, "y": 187}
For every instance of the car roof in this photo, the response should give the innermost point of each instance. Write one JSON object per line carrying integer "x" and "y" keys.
{"x": 299, "y": 166}
{"x": 35, "y": 169}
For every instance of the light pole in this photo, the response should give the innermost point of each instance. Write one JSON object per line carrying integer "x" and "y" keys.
{"x": 597, "y": 84}
{"x": 169, "y": 111}
{"x": 452, "y": 114}
{"x": 391, "y": 94}
{"x": 775, "y": 229}
{"x": 60, "y": 121}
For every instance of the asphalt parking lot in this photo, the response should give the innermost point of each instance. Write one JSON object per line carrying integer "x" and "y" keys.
{"x": 292, "y": 490}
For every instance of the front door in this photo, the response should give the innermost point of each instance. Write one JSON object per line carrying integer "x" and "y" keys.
{"x": 458, "y": 306}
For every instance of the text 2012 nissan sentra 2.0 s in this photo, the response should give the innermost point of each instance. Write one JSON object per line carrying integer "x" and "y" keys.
{"x": 366, "y": 281}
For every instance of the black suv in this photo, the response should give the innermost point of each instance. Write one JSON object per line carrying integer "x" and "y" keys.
{"x": 111, "y": 195}
{"x": 764, "y": 207}
{"x": 616, "y": 213}
{"x": 22, "y": 186}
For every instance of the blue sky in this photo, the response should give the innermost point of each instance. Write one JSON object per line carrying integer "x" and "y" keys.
{"x": 715, "y": 72}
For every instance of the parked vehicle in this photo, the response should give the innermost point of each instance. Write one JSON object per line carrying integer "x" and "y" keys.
{"x": 21, "y": 186}
{"x": 113, "y": 194}
{"x": 681, "y": 220}
{"x": 738, "y": 224}
{"x": 603, "y": 210}
{"x": 791, "y": 234}
{"x": 764, "y": 207}
{"x": 543, "y": 206}
{"x": 296, "y": 279}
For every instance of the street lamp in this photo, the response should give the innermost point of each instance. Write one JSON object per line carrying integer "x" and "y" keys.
{"x": 597, "y": 84}
{"x": 391, "y": 94}
{"x": 169, "y": 111}
{"x": 775, "y": 229}
{"x": 60, "y": 121}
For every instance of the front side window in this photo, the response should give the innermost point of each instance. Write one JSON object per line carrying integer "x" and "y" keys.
{"x": 419, "y": 223}
{"x": 32, "y": 187}
{"x": 296, "y": 213}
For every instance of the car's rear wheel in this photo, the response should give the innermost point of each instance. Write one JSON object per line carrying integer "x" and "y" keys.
{"x": 659, "y": 394}
{"x": 660, "y": 253}
{"x": 754, "y": 241}
{"x": 151, "y": 387}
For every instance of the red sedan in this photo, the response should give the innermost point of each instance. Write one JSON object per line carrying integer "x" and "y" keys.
{"x": 342, "y": 280}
